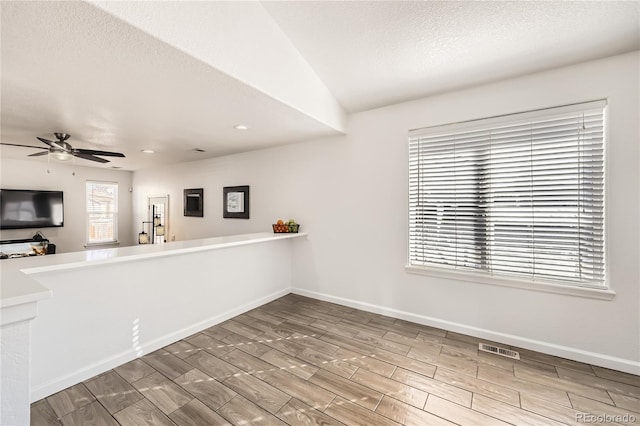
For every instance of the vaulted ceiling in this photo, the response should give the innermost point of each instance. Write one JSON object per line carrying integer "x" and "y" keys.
{"x": 176, "y": 77}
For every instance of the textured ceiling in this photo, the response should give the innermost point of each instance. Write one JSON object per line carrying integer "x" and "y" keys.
{"x": 174, "y": 76}
{"x": 71, "y": 67}
{"x": 372, "y": 54}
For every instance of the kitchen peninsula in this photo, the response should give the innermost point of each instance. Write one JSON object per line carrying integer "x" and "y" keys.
{"x": 79, "y": 314}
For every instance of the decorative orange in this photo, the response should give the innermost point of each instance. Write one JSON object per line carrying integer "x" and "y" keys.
{"x": 280, "y": 222}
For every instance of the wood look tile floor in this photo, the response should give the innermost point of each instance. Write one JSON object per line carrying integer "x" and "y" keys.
{"x": 300, "y": 361}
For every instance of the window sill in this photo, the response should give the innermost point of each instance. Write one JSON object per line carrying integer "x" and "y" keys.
{"x": 589, "y": 292}
{"x": 107, "y": 244}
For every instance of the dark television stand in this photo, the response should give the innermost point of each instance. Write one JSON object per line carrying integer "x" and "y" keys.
{"x": 37, "y": 239}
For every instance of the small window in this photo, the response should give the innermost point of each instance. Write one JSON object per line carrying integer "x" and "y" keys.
{"x": 102, "y": 212}
{"x": 513, "y": 196}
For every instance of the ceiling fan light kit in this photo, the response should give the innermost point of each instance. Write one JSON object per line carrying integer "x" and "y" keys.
{"x": 62, "y": 150}
{"x": 61, "y": 155}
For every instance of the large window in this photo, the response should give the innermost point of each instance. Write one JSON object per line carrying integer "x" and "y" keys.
{"x": 102, "y": 212}
{"x": 519, "y": 196}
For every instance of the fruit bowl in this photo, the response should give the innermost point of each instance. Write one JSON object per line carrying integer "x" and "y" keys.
{"x": 285, "y": 228}
{"x": 278, "y": 229}
{"x": 294, "y": 228}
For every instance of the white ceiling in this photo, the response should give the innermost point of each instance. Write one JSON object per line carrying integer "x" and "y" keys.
{"x": 174, "y": 76}
{"x": 372, "y": 54}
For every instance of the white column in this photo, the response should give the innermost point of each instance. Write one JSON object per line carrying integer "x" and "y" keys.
{"x": 15, "y": 372}
{"x": 19, "y": 296}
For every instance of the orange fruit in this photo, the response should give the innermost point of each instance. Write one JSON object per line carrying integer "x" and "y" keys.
{"x": 280, "y": 222}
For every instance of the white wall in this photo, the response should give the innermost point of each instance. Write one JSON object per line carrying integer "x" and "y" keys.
{"x": 25, "y": 174}
{"x": 268, "y": 192}
{"x": 350, "y": 193}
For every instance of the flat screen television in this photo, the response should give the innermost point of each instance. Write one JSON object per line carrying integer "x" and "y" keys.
{"x": 25, "y": 208}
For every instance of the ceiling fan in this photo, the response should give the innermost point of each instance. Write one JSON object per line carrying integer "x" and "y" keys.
{"x": 63, "y": 150}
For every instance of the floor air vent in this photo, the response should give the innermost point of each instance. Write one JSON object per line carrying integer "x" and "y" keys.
{"x": 499, "y": 351}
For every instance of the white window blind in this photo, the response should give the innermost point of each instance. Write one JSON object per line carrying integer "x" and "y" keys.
{"x": 519, "y": 195}
{"x": 102, "y": 212}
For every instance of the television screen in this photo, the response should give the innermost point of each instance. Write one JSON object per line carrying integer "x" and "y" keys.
{"x": 30, "y": 209}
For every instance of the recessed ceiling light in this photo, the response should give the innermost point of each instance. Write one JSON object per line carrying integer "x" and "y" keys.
{"x": 241, "y": 127}
{"x": 148, "y": 151}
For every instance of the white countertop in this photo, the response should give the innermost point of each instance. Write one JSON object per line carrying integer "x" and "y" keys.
{"x": 18, "y": 288}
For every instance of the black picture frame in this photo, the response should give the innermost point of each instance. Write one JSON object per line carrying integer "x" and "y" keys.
{"x": 235, "y": 201}
{"x": 193, "y": 202}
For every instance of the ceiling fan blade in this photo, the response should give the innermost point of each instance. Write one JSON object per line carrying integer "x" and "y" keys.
{"x": 38, "y": 154}
{"x": 48, "y": 142}
{"x": 23, "y": 146}
{"x": 89, "y": 157}
{"x": 96, "y": 152}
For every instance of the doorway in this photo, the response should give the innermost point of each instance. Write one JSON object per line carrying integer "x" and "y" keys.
{"x": 159, "y": 217}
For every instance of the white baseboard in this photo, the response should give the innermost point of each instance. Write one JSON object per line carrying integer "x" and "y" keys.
{"x": 106, "y": 364}
{"x": 602, "y": 360}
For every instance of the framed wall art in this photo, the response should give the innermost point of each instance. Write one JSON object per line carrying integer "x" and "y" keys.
{"x": 193, "y": 202}
{"x": 235, "y": 202}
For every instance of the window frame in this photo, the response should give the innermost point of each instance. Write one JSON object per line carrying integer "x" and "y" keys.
{"x": 114, "y": 213}
{"x": 604, "y": 292}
